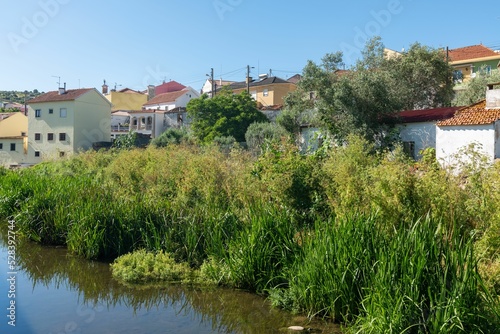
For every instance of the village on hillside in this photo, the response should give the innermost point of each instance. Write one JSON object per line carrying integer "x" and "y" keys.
{"x": 60, "y": 123}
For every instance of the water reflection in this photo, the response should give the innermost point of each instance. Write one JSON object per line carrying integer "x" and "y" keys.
{"x": 71, "y": 295}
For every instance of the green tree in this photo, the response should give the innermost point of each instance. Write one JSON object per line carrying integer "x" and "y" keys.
{"x": 357, "y": 101}
{"x": 171, "y": 136}
{"x": 224, "y": 115}
{"x": 475, "y": 89}
{"x": 259, "y": 133}
{"x": 420, "y": 78}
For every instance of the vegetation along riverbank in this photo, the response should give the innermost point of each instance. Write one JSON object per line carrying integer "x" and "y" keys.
{"x": 369, "y": 239}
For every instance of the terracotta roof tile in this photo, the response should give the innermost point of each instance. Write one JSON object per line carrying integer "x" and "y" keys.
{"x": 476, "y": 114}
{"x": 54, "y": 96}
{"x": 471, "y": 52}
{"x": 168, "y": 87}
{"x": 427, "y": 115}
{"x": 165, "y": 98}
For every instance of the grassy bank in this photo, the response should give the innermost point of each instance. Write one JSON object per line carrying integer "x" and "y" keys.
{"x": 369, "y": 239}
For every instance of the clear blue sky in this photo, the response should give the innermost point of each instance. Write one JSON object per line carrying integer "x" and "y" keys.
{"x": 135, "y": 43}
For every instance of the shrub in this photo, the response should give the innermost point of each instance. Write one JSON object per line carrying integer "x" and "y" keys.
{"x": 145, "y": 267}
{"x": 259, "y": 134}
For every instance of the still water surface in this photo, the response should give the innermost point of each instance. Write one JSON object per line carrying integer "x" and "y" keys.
{"x": 57, "y": 293}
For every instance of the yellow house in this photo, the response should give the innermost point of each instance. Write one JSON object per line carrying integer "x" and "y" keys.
{"x": 64, "y": 122}
{"x": 472, "y": 60}
{"x": 125, "y": 99}
{"x": 13, "y": 139}
{"x": 267, "y": 91}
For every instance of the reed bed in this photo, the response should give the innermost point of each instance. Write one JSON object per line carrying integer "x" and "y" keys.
{"x": 366, "y": 238}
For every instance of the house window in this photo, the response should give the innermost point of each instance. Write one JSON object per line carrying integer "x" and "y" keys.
{"x": 1, "y": 146}
{"x": 12, "y": 146}
{"x": 254, "y": 94}
{"x": 63, "y": 112}
{"x": 50, "y": 136}
{"x": 458, "y": 76}
{"x": 265, "y": 92}
{"x": 409, "y": 148}
{"x": 51, "y": 111}
{"x": 62, "y": 136}
{"x": 37, "y": 154}
{"x": 61, "y": 154}
{"x": 38, "y": 112}
{"x": 38, "y": 136}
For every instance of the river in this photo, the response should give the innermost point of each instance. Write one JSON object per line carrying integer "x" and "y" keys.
{"x": 46, "y": 290}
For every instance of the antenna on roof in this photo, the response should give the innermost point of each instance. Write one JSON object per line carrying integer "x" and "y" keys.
{"x": 58, "y": 80}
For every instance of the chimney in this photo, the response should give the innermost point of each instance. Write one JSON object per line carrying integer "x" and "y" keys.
{"x": 62, "y": 90}
{"x": 492, "y": 96}
{"x": 104, "y": 88}
{"x": 151, "y": 92}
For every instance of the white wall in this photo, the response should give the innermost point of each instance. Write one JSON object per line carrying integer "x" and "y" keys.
{"x": 8, "y": 157}
{"x": 451, "y": 139}
{"x": 423, "y": 134}
{"x": 497, "y": 139}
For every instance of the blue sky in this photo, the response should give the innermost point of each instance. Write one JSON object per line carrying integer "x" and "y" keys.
{"x": 136, "y": 43}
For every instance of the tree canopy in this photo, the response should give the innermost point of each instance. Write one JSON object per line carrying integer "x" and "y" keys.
{"x": 359, "y": 99}
{"x": 224, "y": 115}
{"x": 475, "y": 89}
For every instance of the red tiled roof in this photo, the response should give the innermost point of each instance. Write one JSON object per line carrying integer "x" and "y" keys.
{"x": 168, "y": 87}
{"x": 471, "y": 52}
{"x": 54, "y": 96}
{"x": 476, "y": 114}
{"x": 295, "y": 79}
{"x": 165, "y": 98}
{"x": 427, "y": 115}
{"x": 129, "y": 91}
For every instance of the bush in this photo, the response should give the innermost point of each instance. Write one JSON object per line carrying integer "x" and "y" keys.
{"x": 146, "y": 267}
{"x": 171, "y": 136}
{"x": 259, "y": 134}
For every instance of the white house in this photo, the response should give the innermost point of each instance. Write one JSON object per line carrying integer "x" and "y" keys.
{"x": 163, "y": 111}
{"x": 171, "y": 100}
{"x": 417, "y": 128}
{"x": 64, "y": 122}
{"x": 217, "y": 84}
{"x": 478, "y": 125}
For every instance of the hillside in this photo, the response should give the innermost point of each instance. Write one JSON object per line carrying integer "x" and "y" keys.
{"x": 18, "y": 96}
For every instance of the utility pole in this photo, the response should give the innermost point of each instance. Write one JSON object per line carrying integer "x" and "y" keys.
{"x": 212, "y": 81}
{"x": 248, "y": 78}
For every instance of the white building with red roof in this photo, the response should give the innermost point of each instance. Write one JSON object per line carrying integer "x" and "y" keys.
{"x": 417, "y": 128}
{"x": 477, "y": 125}
{"x": 64, "y": 122}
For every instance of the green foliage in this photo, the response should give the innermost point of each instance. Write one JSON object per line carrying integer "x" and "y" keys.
{"x": 418, "y": 279}
{"x": 19, "y": 96}
{"x": 475, "y": 89}
{"x": 258, "y": 254}
{"x": 339, "y": 233}
{"x": 171, "y": 136}
{"x": 420, "y": 78}
{"x": 146, "y": 267}
{"x": 226, "y": 114}
{"x": 259, "y": 134}
{"x": 127, "y": 141}
{"x": 359, "y": 101}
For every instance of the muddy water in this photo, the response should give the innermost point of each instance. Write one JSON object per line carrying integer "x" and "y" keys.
{"x": 54, "y": 292}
